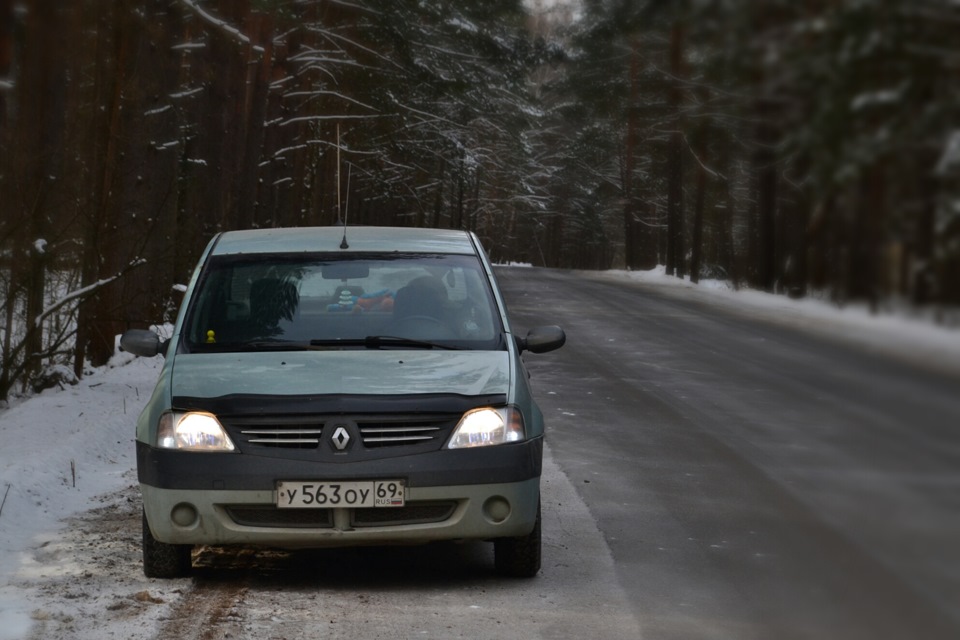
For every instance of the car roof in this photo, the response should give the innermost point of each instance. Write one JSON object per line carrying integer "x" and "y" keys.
{"x": 359, "y": 239}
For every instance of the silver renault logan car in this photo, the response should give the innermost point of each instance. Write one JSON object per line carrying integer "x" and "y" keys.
{"x": 341, "y": 386}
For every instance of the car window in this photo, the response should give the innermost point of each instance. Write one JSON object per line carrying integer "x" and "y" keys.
{"x": 244, "y": 300}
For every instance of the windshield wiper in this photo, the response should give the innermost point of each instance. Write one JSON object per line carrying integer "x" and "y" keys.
{"x": 375, "y": 342}
{"x": 255, "y": 345}
{"x": 379, "y": 342}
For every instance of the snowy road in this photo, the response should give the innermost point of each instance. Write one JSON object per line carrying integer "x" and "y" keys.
{"x": 715, "y": 470}
{"x": 753, "y": 480}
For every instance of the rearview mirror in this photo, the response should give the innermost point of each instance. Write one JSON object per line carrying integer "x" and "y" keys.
{"x": 542, "y": 339}
{"x": 141, "y": 342}
{"x": 345, "y": 270}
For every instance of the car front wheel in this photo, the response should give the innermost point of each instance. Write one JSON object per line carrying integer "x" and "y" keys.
{"x": 162, "y": 560}
{"x": 519, "y": 557}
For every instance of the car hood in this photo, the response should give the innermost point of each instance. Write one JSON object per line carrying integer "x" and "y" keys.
{"x": 376, "y": 372}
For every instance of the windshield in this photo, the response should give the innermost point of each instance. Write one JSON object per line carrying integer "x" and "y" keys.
{"x": 277, "y": 301}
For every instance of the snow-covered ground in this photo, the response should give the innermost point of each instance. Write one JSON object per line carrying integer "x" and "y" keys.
{"x": 61, "y": 453}
{"x": 67, "y": 481}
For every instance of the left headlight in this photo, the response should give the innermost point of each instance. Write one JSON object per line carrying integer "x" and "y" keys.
{"x": 488, "y": 426}
{"x": 192, "y": 431}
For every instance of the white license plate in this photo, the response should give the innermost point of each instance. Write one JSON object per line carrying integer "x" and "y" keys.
{"x": 325, "y": 494}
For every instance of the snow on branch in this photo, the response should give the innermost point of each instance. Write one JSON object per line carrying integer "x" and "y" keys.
{"x": 330, "y": 35}
{"x": 715, "y": 174}
{"x": 344, "y": 148}
{"x": 323, "y": 92}
{"x": 359, "y": 7}
{"x": 186, "y": 94}
{"x": 316, "y": 118}
{"x": 216, "y": 22}
{"x": 85, "y": 291}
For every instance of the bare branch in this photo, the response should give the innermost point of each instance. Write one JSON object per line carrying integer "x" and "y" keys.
{"x": 85, "y": 291}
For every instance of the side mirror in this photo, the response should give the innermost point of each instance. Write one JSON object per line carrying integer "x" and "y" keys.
{"x": 141, "y": 342}
{"x": 542, "y": 339}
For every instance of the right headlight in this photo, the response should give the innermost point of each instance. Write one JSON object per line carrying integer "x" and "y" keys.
{"x": 488, "y": 426}
{"x": 192, "y": 431}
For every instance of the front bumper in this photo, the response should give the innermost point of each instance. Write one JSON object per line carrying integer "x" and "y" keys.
{"x": 480, "y": 511}
{"x": 221, "y": 498}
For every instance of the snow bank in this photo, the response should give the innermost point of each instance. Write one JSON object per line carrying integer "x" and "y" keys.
{"x": 903, "y": 333}
{"x": 59, "y": 450}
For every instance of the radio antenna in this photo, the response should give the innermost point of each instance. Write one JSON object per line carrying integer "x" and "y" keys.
{"x": 341, "y": 215}
{"x": 346, "y": 204}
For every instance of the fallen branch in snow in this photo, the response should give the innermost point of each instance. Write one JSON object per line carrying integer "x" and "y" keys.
{"x": 84, "y": 291}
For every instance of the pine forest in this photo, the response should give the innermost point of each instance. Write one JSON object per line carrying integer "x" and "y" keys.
{"x": 795, "y": 147}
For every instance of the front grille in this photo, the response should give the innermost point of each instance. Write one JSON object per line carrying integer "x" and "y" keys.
{"x": 268, "y": 516}
{"x": 297, "y": 432}
{"x": 301, "y": 438}
{"x": 377, "y": 432}
{"x": 394, "y": 434}
{"x": 413, "y": 513}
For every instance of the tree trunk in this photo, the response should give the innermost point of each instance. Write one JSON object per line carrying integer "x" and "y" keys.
{"x": 696, "y": 256}
{"x": 6, "y": 62}
{"x": 637, "y": 253}
{"x": 923, "y": 287}
{"x": 458, "y": 215}
{"x": 766, "y": 171}
{"x": 675, "y": 261}
{"x": 41, "y": 120}
{"x": 868, "y": 240}
{"x": 257, "y": 89}
{"x": 91, "y": 341}
{"x": 438, "y": 197}
{"x": 6, "y": 195}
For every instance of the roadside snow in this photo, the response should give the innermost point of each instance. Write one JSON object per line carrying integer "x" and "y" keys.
{"x": 901, "y": 332}
{"x": 60, "y": 451}
{"x": 67, "y": 458}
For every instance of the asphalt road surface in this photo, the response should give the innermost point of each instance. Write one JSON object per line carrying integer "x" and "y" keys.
{"x": 751, "y": 480}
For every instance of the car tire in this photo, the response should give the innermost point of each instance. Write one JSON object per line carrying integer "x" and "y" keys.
{"x": 519, "y": 557}
{"x": 162, "y": 560}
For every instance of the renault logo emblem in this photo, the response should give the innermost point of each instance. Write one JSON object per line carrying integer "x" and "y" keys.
{"x": 340, "y": 438}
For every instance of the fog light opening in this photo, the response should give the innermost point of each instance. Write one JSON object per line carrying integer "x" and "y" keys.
{"x": 184, "y": 515}
{"x": 496, "y": 509}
